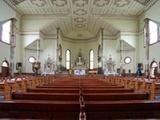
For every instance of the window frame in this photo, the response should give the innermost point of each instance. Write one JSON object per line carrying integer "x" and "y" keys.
{"x": 69, "y": 61}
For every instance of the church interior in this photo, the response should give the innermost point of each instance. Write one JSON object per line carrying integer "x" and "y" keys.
{"x": 79, "y": 59}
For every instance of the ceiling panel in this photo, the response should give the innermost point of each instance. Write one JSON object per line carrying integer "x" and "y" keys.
{"x": 80, "y": 15}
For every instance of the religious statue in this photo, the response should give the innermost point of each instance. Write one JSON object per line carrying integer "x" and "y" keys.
{"x": 153, "y": 69}
{"x": 109, "y": 65}
{"x": 79, "y": 60}
{"x": 49, "y": 66}
{"x": 36, "y": 67}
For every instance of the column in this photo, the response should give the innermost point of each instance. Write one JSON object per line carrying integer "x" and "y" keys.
{"x": 102, "y": 29}
{"x": 147, "y": 39}
{"x": 57, "y": 59}
{"x": 12, "y": 46}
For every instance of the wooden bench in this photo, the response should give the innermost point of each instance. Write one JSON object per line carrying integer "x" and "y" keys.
{"x": 75, "y": 96}
{"x": 52, "y": 110}
{"x": 85, "y": 90}
{"x": 135, "y": 109}
{"x": 46, "y": 96}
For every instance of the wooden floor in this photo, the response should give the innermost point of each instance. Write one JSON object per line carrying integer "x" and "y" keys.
{"x": 80, "y": 98}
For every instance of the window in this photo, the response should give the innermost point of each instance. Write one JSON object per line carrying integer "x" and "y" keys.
{"x": 6, "y": 29}
{"x": 127, "y": 60}
{"x": 32, "y": 59}
{"x": 153, "y": 32}
{"x": 91, "y": 59}
{"x": 68, "y": 59}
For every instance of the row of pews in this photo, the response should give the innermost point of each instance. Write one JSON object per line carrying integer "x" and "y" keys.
{"x": 79, "y": 98}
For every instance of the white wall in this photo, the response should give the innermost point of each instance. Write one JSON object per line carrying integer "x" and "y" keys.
{"x": 6, "y": 13}
{"x": 75, "y": 47}
{"x": 152, "y": 13}
{"x": 49, "y": 50}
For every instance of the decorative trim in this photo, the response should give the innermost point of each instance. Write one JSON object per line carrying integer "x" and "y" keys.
{"x": 100, "y": 3}
{"x": 121, "y": 3}
{"x": 80, "y": 12}
{"x": 80, "y": 25}
{"x": 16, "y": 2}
{"x": 59, "y": 3}
{"x": 38, "y": 3}
{"x": 80, "y": 3}
{"x": 79, "y": 19}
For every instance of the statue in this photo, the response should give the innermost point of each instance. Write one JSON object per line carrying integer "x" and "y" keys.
{"x": 36, "y": 67}
{"x": 49, "y": 66}
{"x": 79, "y": 60}
{"x": 153, "y": 69}
{"x": 109, "y": 65}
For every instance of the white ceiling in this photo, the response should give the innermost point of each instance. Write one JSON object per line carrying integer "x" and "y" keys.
{"x": 80, "y": 15}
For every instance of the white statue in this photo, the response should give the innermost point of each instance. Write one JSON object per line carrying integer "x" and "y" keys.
{"x": 49, "y": 65}
{"x": 109, "y": 66}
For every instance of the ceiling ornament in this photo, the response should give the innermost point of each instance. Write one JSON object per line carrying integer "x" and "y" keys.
{"x": 80, "y": 12}
{"x": 79, "y": 19}
{"x": 80, "y": 25}
{"x": 121, "y": 3}
{"x": 59, "y": 3}
{"x": 39, "y": 3}
{"x": 16, "y": 2}
{"x": 80, "y": 3}
{"x": 101, "y": 3}
{"x": 143, "y": 2}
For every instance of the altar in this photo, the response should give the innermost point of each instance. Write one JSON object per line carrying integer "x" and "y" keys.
{"x": 79, "y": 67}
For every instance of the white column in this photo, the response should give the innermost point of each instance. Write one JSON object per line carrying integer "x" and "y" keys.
{"x": 147, "y": 39}
{"x": 12, "y": 46}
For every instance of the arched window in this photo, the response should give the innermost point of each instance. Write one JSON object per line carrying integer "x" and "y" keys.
{"x": 91, "y": 59}
{"x": 68, "y": 59}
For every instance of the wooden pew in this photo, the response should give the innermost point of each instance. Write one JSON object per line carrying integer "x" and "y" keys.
{"x": 46, "y": 96}
{"x": 85, "y": 90}
{"x": 75, "y": 96}
{"x": 135, "y": 109}
{"x": 115, "y": 96}
{"x": 74, "y": 87}
{"x": 51, "y": 110}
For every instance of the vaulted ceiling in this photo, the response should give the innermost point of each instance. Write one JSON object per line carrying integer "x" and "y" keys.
{"x": 80, "y": 15}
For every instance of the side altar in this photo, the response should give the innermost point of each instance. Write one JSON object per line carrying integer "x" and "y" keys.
{"x": 79, "y": 66}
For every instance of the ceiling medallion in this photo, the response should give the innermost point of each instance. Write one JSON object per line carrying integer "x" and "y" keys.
{"x": 59, "y": 3}
{"x": 39, "y": 3}
{"x": 79, "y": 19}
{"x": 80, "y": 12}
{"x": 121, "y": 3}
{"x": 80, "y": 25}
{"x": 101, "y": 3}
{"x": 80, "y": 3}
{"x": 16, "y": 2}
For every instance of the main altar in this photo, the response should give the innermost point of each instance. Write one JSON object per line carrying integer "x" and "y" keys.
{"x": 79, "y": 66}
